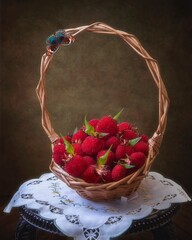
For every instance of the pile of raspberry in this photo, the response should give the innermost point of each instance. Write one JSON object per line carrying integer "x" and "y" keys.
{"x": 102, "y": 150}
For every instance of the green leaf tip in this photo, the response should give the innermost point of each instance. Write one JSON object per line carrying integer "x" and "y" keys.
{"x": 89, "y": 129}
{"x": 132, "y": 142}
{"x": 128, "y": 166}
{"x": 116, "y": 117}
{"x": 100, "y": 134}
{"x": 75, "y": 130}
{"x": 68, "y": 146}
{"x": 103, "y": 159}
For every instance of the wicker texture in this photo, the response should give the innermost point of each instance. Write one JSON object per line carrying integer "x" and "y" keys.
{"x": 129, "y": 184}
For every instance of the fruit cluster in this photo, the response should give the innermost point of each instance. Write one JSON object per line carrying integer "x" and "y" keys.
{"x": 102, "y": 150}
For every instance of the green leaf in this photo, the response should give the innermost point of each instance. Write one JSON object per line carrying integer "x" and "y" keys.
{"x": 89, "y": 129}
{"x": 76, "y": 129}
{"x": 118, "y": 115}
{"x": 68, "y": 146}
{"x": 127, "y": 166}
{"x": 100, "y": 134}
{"x": 132, "y": 142}
{"x": 103, "y": 159}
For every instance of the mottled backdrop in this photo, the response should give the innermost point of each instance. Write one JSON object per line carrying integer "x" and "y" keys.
{"x": 98, "y": 75}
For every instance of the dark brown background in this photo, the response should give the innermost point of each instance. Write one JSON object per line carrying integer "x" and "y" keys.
{"x": 98, "y": 75}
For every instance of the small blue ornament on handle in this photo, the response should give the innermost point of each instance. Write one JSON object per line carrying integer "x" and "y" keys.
{"x": 55, "y": 40}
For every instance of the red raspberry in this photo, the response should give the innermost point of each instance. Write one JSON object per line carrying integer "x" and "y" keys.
{"x": 68, "y": 138}
{"x": 58, "y": 159}
{"x": 118, "y": 172}
{"x": 90, "y": 175}
{"x": 76, "y": 166}
{"x": 103, "y": 143}
{"x": 129, "y": 134}
{"x": 114, "y": 142}
{"x": 144, "y": 138}
{"x": 89, "y": 160}
{"x": 107, "y": 125}
{"x": 107, "y": 176}
{"x": 110, "y": 159}
{"x": 79, "y": 136}
{"x": 123, "y": 126}
{"x": 137, "y": 159}
{"x": 58, "y": 153}
{"x": 142, "y": 147}
{"x": 91, "y": 145}
{"x": 78, "y": 149}
{"x": 122, "y": 151}
{"x": 93, "y": 122}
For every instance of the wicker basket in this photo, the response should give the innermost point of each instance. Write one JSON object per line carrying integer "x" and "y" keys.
{"x": 129, "y": 184}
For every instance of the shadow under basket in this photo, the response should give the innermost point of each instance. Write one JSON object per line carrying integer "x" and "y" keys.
{"x": 129, "y": 184}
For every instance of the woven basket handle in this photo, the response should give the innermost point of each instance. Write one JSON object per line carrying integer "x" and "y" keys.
{"x": 133, "y": 42}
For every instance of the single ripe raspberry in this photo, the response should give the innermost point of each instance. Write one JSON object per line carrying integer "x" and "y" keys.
{"x": 93, "y": 122}
{"x": 110, "y": 158}
{"x": 58, "y": 159}
{"x": 123, "y": 151}
{"x": 89, "y": 160}
{"x": 138, "y": 159}
{"x": 90, "y": 175}
{"x": 79, "y": 136}
{"x": 123, "y": 126}
{"x": 114, "y": 142}
{"x": 103, "y": 143}
{"x": 118, "y": 172}
{"x": 76, "y": 166}
{"x": 142, "y": 147}
{"x": 107, "y": 176}
{"x": 58, "y": 153}
{"x": 144, "y": 138}
{"x": 91, "y": 145}
{"x": 107, "y": 125}
{"x": 68, "y": 138}
{"x": 78, "y": 149}
{"x": 129, "y": 134}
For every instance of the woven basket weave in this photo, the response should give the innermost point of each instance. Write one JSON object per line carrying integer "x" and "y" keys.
{"x": 129, "y": 184}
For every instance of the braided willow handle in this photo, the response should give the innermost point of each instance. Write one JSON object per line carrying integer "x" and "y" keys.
{"x": 133, "y": 42}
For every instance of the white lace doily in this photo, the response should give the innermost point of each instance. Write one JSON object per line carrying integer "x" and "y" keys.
{"x": 86, "y": 220}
